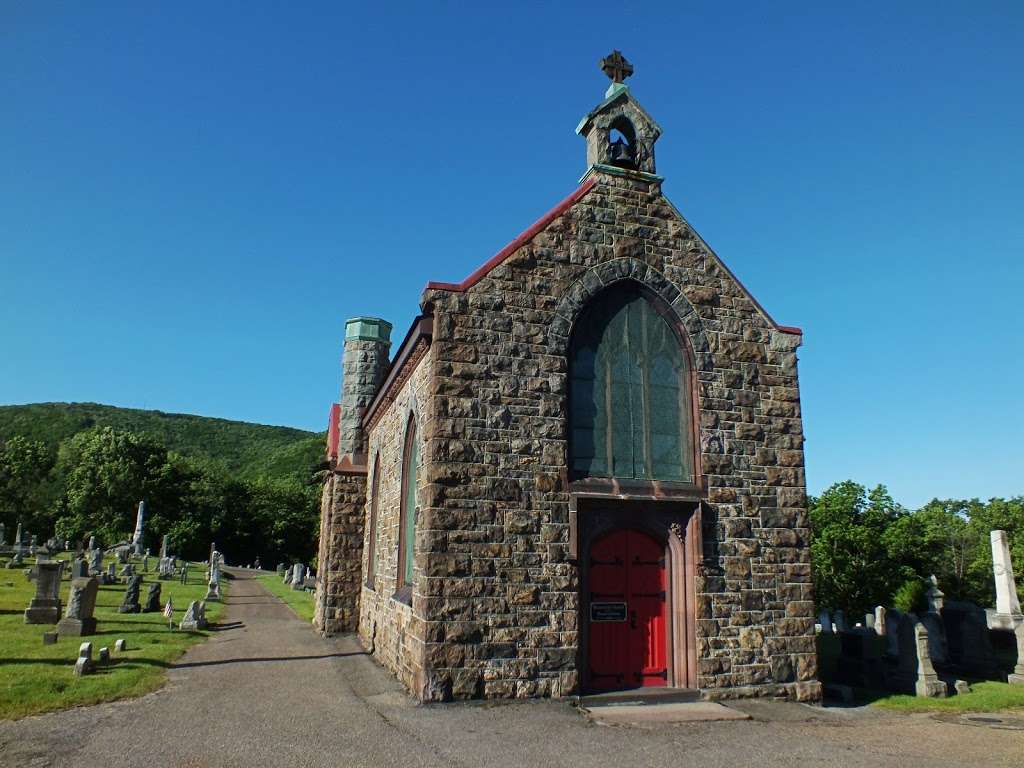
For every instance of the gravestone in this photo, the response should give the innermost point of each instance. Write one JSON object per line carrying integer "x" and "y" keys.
{"x": 45, "y": 606}
{"x": 18, "y": 544}
{"x": 130, "y": 604}
{"x": 84, "y": 664}
{"x": 140, "y": 522}
{"x": 299, "y": 577}
{"x": 839, "y": 617}
{"x": 78, "y": 620}
{"x": 183, "y": 574}
{"x": 121, "y": 553}
{"x": 92, "y": 543}
{"x": 95, "y": 562}
{"x": 17, "y": 560}
{"x": 1017, "y": 676}
{"x": 120, "y": 645}
{"x": 153, "y": 598}
{"x": 928, "y": 683}
{"x": 80, "y": 569}
{"x": 165, "y": 543}
{"x": 145, "y": 563}
{"x": 126, "y": 572}
{"x": 880, "y": 620}
{"x": 104, "y": 655}
{"x": 195, "y": 617}
{"x": 110, "y": 577}
{"x": 280, "y": 569}
{"x": 967, "y": 638}
{"x": 1007, "y": 614}
{"x": 3, "y": 535}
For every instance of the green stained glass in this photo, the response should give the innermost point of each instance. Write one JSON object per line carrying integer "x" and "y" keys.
{"x": 629, "y": 392}
{"x": 412, "y": 462}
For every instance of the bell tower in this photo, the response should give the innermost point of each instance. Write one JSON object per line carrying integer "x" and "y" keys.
{"x": 620, "y": 135}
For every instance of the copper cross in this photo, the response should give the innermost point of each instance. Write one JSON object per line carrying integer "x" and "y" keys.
{"x": 616, "y": 67}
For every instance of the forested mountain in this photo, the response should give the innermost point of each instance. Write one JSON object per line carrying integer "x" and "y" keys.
{"x": 250, "y": 451}
{"x": 79, "y": 469}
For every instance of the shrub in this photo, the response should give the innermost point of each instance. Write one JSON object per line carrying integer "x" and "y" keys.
{"x": 911, "y": 597}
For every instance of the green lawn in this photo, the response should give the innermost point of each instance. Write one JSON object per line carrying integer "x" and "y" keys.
{"x": 984, "y": 697}
{"x": 37, "y": 678}
{"x": 300, "y": 602}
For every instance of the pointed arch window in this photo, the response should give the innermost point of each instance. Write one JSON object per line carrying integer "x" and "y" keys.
{"x": 407, "y": 517}
{"x": 629, "y": 392}
{"x": 371, "y": 542}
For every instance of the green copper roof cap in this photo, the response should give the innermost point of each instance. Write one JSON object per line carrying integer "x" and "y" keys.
{"x": 368, "y": 329}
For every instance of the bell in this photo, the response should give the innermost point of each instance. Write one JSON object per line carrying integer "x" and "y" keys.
{"x": 621, "y": 154}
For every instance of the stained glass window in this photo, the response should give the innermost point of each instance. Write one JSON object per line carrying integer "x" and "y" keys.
{"x": 629, "y": 392}
{"x": 407, "y": 533}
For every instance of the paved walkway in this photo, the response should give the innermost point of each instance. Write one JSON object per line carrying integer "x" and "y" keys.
{"x": 265, "y": 691}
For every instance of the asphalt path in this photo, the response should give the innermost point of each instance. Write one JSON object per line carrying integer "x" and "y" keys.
{"x": 266, "y": 691}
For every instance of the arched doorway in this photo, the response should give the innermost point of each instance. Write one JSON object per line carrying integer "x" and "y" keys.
{"x": 628, "y": 616}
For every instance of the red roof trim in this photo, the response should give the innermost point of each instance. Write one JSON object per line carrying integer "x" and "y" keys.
{"x": 790, "y": 329}
{"x": 518, "y": 243}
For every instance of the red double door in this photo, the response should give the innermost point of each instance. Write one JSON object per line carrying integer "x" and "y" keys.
{"x": 628, "y": 613}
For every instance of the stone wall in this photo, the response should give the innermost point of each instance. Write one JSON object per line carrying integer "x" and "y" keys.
{"x": 500, "y": 595}
{"x": 391, "y": 629}
{"x": 340, "y": 554}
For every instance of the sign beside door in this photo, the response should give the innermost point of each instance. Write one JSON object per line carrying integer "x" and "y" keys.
{"x": 607, "y": 611}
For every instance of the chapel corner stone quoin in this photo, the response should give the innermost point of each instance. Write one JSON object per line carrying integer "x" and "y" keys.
{"x": 582, "y": 468}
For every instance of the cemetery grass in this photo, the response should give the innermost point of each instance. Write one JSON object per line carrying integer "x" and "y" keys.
{"x": 37, "y": 678}
{"x": 987, "y": 696}
{"x": 301, "y": 602}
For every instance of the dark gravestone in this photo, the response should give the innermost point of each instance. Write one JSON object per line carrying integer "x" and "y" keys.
{"x": 153, "y": 599}
{"x": 967, "y": 635}
{"x": 130, "y": 604}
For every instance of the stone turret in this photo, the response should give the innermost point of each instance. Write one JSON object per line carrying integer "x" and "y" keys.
{"x": 364, "y": 363}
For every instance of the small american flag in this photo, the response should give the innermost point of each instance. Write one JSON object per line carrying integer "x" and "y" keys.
{"x": 169, "y": 609}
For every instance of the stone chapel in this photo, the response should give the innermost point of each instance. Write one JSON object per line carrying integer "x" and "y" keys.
{"x": 582, "y": 468}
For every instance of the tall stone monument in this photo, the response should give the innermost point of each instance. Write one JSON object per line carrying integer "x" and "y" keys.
{"x": 79, "y": 620}
{"x": 165, "y": 545}
{"x": 140, "y": 522}
{"x": 1007, "y": 614}
{"x": 45, "y": 606}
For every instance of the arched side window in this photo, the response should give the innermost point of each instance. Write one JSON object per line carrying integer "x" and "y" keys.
{"x": 629, "y": 392}
{"x": 407, "y": 518}
{"x": 371, "y": 543}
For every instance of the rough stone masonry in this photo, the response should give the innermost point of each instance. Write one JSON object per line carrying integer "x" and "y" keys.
{"x": 500, "y": 522}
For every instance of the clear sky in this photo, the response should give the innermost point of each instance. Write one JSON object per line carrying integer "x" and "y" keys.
{"x": 194, "y": 196}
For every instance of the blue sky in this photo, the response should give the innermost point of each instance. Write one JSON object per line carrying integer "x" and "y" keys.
{"x": 194, "y": 196}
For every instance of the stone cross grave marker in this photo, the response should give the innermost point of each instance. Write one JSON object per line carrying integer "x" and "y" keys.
{"x": 130, "y": 604}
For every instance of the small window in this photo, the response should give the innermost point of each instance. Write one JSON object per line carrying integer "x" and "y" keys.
{"x": 407, "y": 532}
{"x": 371, "y": 543}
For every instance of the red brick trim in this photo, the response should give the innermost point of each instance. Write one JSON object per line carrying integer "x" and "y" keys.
{"x": 518, "y": 243}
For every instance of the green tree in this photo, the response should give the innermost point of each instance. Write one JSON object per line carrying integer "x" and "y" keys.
{"x": 24, "y": 494}
{"x": 106, "y": 474}
{"x": 852, "y": 566}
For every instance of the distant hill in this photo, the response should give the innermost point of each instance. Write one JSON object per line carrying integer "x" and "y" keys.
{"x": 247, "y": 450}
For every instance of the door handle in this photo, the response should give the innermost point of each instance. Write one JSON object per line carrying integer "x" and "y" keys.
{"x": 632, "y": 619}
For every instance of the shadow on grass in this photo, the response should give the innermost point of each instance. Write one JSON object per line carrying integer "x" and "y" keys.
{"x": 259, "y": 659}
{"x": 10, "y": 611}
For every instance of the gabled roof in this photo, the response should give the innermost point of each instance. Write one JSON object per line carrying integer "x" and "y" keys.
{"x": 541, "y": 223}
{"x": 621, "y": 93}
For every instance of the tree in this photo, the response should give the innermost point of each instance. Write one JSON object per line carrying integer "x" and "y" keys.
{"x": 851, "y": 561}
{"x": 24, "y": 471}
{"x": 106, "y": 474}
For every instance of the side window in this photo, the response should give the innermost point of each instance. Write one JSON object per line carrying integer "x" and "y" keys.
{"x": 407, "y": 533}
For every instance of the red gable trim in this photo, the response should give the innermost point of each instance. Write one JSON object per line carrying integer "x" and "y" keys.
{"x": 519, "y": 242}
{"x": 790, "y": 329}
